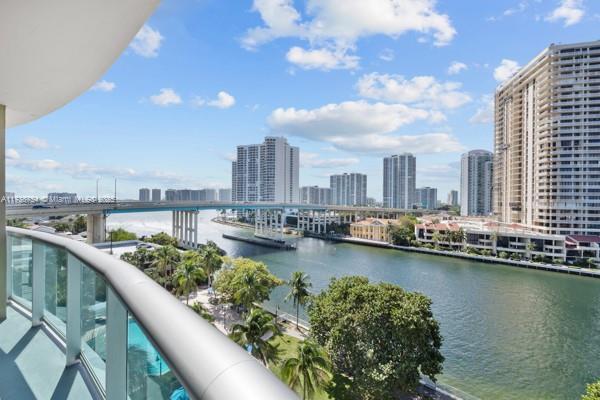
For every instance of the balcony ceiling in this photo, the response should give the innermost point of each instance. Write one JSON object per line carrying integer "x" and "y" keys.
{"x": 52, "y": 51}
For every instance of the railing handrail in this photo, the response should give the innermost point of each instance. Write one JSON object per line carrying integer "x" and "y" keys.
{"x": 207, "y": 363}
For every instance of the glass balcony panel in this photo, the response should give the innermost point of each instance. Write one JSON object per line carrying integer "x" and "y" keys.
{"x": 22, "y": 266}
{"x": 93, "y": 322}
{"x": 55, "y": 291}
{"x": 148, "y": 375}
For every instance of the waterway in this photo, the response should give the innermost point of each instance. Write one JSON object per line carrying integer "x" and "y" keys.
{"x": 509, "y": 333}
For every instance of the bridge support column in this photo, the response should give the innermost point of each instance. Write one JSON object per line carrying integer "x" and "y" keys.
{"x": 185, "y": 228}
{"x": 96, "y": 228}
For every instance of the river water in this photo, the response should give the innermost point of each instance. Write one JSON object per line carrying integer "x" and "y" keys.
{"x": 509, "y": 333}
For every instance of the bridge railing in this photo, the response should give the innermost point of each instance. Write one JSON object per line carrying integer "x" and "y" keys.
{"x": 134, "y": 338}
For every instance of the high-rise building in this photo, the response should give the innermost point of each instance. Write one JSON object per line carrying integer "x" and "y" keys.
{"x": 224, "y": 194}
{"x": 348, "y": 189}
{"x": 144, "y": 194}
{"x": 156, "y": 195}
{"x": 266, "y": 172}
{"x": 426, "y": 197}
{"x": 63, "y": 198}
{"x": 9, "y": 198}
{"x": 170, "y": 195}
{"x": 452, "y": 198}
{"x": 208, "y": 195}
{"x": 476, "y": 183}
{"x": 399, "y": 181}
{"x": 315, "y": 195}
{"x": 547, "y": 130}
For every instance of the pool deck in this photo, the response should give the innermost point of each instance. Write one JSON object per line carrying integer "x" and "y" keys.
{"x": 32, "y": 366}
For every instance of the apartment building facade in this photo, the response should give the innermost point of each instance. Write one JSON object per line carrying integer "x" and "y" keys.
{"x": 348, "y": 189}
{"x": 266, "y": 172}
{"x": 399, "y": 181}
{"x": 315, "y": 195}
{"x": 547, "y": 142}
{"x": 476, "y": 178}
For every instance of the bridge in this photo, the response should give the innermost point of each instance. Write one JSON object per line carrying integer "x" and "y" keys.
{"x": 270, "y": 218}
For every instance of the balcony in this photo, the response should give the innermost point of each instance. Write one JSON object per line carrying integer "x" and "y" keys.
{"x": 83, "y": 325}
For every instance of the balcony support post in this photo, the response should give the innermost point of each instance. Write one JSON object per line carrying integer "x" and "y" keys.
{"x": 73, "y": 309}
{"x": 3, "y": 260}
{"x": 116, "y": 347}
{"x": 38, "y": 286}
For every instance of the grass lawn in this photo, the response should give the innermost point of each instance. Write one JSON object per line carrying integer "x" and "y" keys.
{"x": 287, "y": 346}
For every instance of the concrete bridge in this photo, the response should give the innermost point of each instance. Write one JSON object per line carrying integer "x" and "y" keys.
{"x": 270, "y": 218}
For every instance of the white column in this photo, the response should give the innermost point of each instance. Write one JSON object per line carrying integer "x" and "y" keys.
{"x": 116, "y": 347}
{"x": 39, "y": 272}
{"x": 3, "y": 268}
{"x": 9, "y": 266}
{"x": 73, "y": 309}
{"x": 196, "y": 229}
{"x": 173, "y": 223}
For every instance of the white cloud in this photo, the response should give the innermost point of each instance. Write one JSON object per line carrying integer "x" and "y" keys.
{"x": 569, "y": 11}
{"x": 147, "y": 42}
{"x": 387, "y": 55}
{"x": 314, "y": 160}
{"x": 323, "y": 59}
{"x": 12, "y": 154}
{"x": 36, "y": 143}
{"x": 485, "y": 112}
{"x": 334, "y": 24}
{"x": 360, "y": 126}
{"x": 104, "y": 86}
{"x": 420, "y": 90}
{"x": 35, "y": 165}
{"x": 224, "y": 100}
{"x": 506, "y": 70}
{"x": 166, "y": 97}
{"x": 457, "y": 67}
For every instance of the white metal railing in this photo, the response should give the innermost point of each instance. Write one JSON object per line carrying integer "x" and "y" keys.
{"x": 135, "y": 339}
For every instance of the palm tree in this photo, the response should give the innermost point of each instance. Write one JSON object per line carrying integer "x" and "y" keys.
{"x": 530, "y": 246}
{"x": 308, "y": 371}
{"x": 211, "y": 261}
{"x": 436, "y": 237}
{"x": 299, "y": 291}
{"x": 253, "y": 335}
{"x": 187, "y": 276}
{"x": 165, "y": 258}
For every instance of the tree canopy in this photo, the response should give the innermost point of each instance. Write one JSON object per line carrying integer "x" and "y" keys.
{"x": 592, "y": 392}
{"x": 403, "y": 232}
{"x": 162, "y": 239}
{"x": 245, "y": 282}
{"x": 119, "y": 235}
{"x": 378, "y": 335}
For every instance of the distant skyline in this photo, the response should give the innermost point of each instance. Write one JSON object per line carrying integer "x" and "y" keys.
{"x": 348, "y": 82}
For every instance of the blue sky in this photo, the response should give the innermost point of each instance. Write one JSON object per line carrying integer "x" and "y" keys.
{"x": 347, "y": 81}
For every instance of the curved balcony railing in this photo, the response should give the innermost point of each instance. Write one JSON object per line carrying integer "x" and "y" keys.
{"x": 135, "y": 339}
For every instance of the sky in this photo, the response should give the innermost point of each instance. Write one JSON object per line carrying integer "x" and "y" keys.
{"x": 349, "y": 82}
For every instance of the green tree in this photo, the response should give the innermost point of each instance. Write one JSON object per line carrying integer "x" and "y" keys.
{"x": 299, "y": 291}
{"x": 119, "y": 235}
{"x": 165, "y": 258}
{"x": 141, "y": 258}
{"x": 62, "y": 227}
{"x": 592, "y": 392}
{"x": 245, "y": 282}
{"x": 188, "y": 275}
{"x": 437, "y": 238}
{"x": 162, "y": 239}
{"x": 254, "y": 335}
{"x": 17, "y": 223}
{"x": 211, "y": 260}
{"x": 309, "y": 371}
{"x": 377, "y": 335}
{"x": 79, "y": 225}
{"x": 402, "y": 233}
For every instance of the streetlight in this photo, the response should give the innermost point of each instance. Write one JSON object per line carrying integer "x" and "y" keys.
{"x": 115, "y": 191}
{"x": 97, "y": 183}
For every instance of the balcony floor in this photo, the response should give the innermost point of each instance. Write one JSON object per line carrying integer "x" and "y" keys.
{"x": 32, "y": 366}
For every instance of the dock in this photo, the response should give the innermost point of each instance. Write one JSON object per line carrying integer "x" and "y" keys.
{"x": 273, "y": 244}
